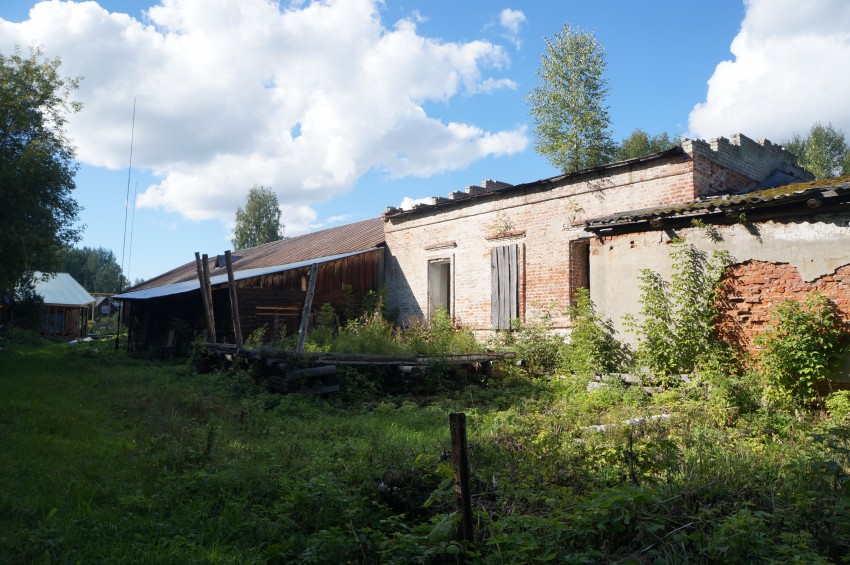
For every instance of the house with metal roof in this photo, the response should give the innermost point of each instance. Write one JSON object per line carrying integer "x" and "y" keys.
{"x": 66, "y": 304}
{"x": 165, "y": 314}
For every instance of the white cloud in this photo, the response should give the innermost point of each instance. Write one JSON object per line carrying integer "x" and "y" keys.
{"x": 511, "y": 20}
{"x": 337, "y": 219}
{"x": 789, "y": 72}
{"x": 409, "y": 203}
{"x": 231, "y": 94}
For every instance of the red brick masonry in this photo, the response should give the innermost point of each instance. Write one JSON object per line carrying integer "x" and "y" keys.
{"x": 753, "y": 288}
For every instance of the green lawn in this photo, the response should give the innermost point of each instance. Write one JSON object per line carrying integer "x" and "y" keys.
{"x": 108, "y": 460}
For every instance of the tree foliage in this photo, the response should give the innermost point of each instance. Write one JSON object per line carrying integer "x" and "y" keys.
{"x": 259, "y": 222}
{"x": 571, "y": 122}
{"x": 96, "y": 270}
{"x": 37, "y": 166}
{"x": 640, "y": 143}
{"x": 824, "y": 151}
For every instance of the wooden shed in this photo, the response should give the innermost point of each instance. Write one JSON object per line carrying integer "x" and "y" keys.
{"x": 167, "y": 313}
{"x": 66, "y": 305}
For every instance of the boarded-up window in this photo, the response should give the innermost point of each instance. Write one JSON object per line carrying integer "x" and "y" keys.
{"x": 439, "y": 287}
{"x": 504, "y": 289}
{"x": 579, "y": 267}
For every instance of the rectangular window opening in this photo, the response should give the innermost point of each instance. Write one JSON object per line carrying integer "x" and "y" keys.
{"x": 439, "y": 287}
{"x": 579, "y": 268}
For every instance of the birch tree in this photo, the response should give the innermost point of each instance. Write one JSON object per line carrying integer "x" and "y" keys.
{"x": 567, "y": 106}
{"x": 259, "y": 222}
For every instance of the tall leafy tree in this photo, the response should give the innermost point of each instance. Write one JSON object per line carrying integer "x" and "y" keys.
{"x": 571, "y": 122}
{"x": 96, "y": 270}
{"x": 824, "y": 151}
{"x": 37, "y": 168}
{"x": 259, "y": 222}
{"x": 640, "y": 143}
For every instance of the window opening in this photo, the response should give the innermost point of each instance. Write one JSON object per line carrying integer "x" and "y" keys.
{"x": 579, "y": 267}
{"x": 504, "y": 286}
{"x": 439, "y": 287}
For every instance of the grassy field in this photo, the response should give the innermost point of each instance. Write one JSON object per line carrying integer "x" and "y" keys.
{"x": 111, "y": 460}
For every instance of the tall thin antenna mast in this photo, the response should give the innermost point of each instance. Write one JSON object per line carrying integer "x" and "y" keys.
{"x": 127, "y": 198}
{"x": 132, "y": 226}
{"x": 124, "y": 243}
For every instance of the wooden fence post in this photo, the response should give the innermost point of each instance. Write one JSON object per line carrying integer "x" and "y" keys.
{"x": 308, "y": 304}
{"x": 460, "y": 462}
{"x": 205, "y": 298}
{"x": 234, "y": 302}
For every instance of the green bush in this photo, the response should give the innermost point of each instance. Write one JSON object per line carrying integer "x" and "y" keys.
{"x": 370, "y": 333}
{"x": 438, "y": 338}
{"x": 838, "y": 407}
{"x": 801, "y": 349}
{"x": 675, "y": 325}
{"x": 592, "y": 346}
{"x": 536, "y": 346}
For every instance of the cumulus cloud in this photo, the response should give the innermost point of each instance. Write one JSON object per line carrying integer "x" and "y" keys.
{"x": 789, "y": 71}
{"x": 304, "y": 99}
{"x": 409, "y": 203}
{"x": 511, "y": 20}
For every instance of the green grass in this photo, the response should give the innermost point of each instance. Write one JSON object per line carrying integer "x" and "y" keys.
{"x": 108, "y": 460}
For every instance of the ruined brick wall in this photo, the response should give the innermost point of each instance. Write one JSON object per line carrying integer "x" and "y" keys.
{"x": 735, "y": 164}
{"x": 541, "y": 222}
{"x": 773, "y": 261}
{"x": 754, "y": 288}
{"x": 542, "y": 219}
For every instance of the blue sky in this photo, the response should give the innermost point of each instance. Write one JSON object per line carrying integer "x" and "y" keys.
{"x": 347, "y": 107}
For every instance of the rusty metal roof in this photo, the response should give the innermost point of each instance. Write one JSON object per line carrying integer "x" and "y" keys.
{"x": 194, "y": 284}
{"x": 348, "y": 238}
{"x": 759, "y": 199}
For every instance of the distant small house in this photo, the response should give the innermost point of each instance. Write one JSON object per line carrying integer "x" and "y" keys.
{"x": 104, "y": 307}
{"x": 66, "y": 305}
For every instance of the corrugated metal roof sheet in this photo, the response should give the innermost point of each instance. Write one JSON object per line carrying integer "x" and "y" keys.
{"x": 189, "y": 286}
{"x": 62, "y": 290}
{"x": 348, "y": 238}
{"x": 758, "y": 198}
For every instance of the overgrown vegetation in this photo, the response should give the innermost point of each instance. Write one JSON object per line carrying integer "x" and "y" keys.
{"x": 593, "y": 346}
{"x": 675, "y": 325}
{"x": 801, "y": 349}
{"x": 132, "y": 461}
{"x": 111, "y": 459}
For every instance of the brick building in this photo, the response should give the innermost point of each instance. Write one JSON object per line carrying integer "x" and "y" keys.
{"x": 496, "y": 252}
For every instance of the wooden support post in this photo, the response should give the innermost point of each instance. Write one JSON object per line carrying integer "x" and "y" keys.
{"x": 308, "y": 304}
{"x": 234, "y": 302}
{"x": 208, "y": 289}
{"x": 205, "y": 298}
{"x": 460, "y": 462}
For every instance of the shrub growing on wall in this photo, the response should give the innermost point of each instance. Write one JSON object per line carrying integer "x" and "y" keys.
{"x": 675, "y": 325}
{"x": 801, "y": 349}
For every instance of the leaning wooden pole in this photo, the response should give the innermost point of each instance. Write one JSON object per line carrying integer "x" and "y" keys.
{"x": 234, "y": 301}
{"x": 207, "y": 288}
{"x": 308, "y": 305}
{"x": 205, "y": 298}
{"x": 460, "y": 462}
